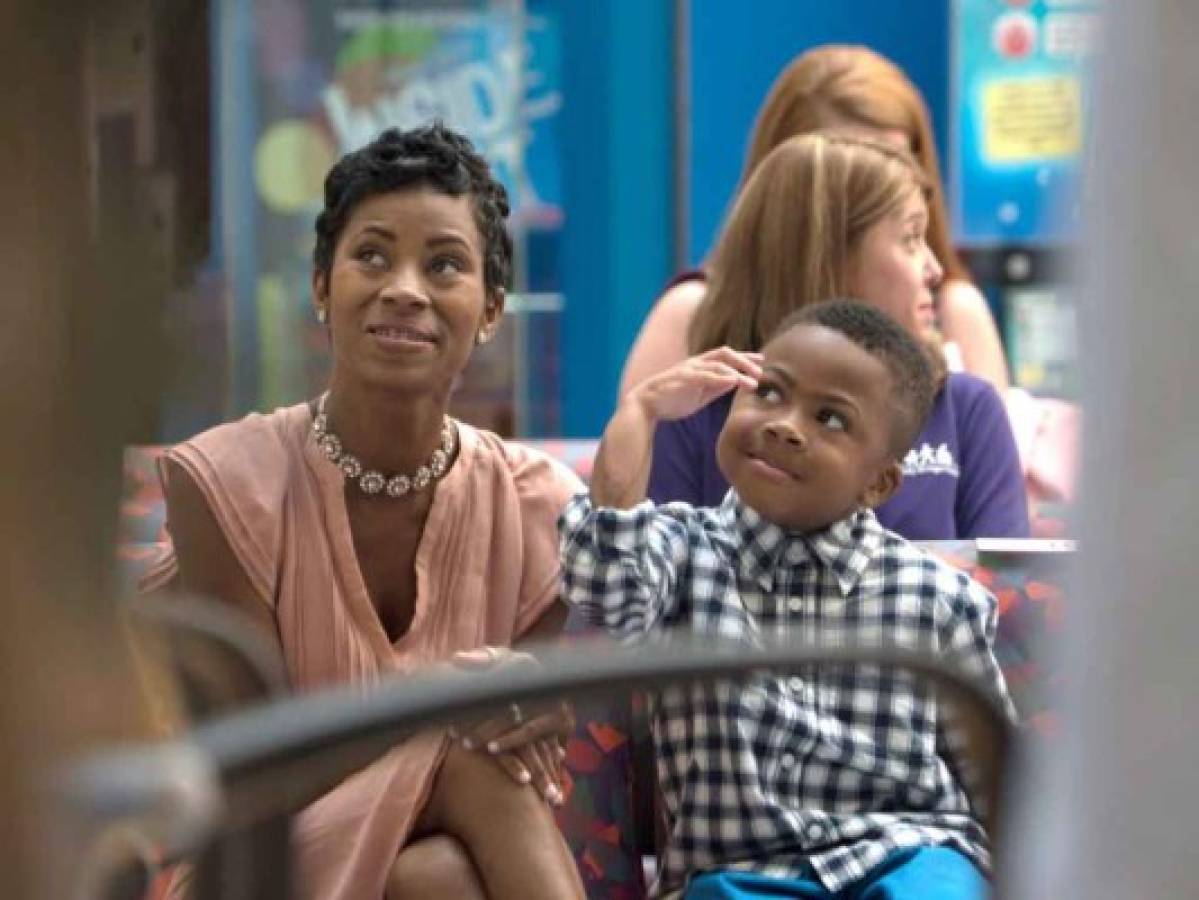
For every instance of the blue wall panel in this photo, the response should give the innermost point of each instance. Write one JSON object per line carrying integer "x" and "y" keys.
{"x": 616, "y": 162}
{"x": 737, "y": 49}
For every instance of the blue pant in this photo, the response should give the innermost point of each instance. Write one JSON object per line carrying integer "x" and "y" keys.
{"x": 921, "y": 873}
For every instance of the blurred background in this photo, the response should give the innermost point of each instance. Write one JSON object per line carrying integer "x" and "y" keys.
{"x": 620, "y": 129}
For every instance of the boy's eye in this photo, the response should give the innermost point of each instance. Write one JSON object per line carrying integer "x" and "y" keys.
{"x": 768, "y": 392}
{"x": 832, "y": 420}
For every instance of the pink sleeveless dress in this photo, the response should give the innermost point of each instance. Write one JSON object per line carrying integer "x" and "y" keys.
{"x": 486, "y": 571}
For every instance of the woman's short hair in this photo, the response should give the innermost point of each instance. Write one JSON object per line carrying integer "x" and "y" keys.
{"x": 434, "y": 156}
{"x": 789, "y": 238}
{"x": 840, "y": 85}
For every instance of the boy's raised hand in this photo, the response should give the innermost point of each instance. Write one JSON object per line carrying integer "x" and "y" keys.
{"x": 692, "y": 384}
{"x": 621, "y": 473}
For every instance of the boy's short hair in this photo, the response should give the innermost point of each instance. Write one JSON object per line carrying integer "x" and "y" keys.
{"x": 913, "y": 384}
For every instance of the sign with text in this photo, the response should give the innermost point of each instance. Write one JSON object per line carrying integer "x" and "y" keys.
{"x": 1020, "y": 118}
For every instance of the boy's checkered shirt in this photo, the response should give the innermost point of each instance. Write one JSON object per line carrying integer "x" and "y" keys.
{"x": 833, "y": 767}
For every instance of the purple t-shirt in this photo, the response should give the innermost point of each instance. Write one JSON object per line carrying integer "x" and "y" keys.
{"x": 962, "y": 478}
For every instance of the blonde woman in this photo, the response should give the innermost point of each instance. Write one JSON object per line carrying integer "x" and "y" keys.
{"x": 855, "y": 90}
{"x": 828, "y": 216}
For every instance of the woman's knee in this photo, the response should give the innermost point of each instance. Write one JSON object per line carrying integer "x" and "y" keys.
{"x": 472, "y": 790}
{"x": 435, "y": 866}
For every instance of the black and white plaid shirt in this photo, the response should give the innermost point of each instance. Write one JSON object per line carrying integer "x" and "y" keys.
{"x": 836, "y": 768}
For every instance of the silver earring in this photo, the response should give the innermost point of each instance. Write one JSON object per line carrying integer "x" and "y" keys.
{"x": 322, "y": 315}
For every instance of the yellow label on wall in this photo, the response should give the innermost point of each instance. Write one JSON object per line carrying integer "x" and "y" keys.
{"x": 1032, "y": 119}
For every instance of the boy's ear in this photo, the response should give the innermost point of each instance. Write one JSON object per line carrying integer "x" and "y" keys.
{"x": 884, "y": 485}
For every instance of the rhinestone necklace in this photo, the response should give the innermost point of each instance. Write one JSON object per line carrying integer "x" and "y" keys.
{"x": 371, "y": 481}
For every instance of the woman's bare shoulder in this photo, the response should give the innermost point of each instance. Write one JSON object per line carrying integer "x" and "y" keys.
{"x": 961, "y": 296}
{"x": 678, "y": 304}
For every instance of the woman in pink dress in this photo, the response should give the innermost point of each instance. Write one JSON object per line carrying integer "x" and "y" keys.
{"x": 370, "y": 534}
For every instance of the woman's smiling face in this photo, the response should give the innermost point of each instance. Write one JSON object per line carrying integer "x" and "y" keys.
{"x": 405, "y": 294}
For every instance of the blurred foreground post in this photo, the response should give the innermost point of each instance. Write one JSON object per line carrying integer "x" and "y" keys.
{"x": 76, "y": 342}
{"x": 1119, "y": 819}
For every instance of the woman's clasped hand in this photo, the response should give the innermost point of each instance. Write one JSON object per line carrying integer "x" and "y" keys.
{"x": 528, "y": 741}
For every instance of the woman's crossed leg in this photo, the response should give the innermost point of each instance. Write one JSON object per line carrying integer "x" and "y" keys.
{"x": 483, "y": 835}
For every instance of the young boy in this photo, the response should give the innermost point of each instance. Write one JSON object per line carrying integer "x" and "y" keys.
{"x": 840, "y": 783}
